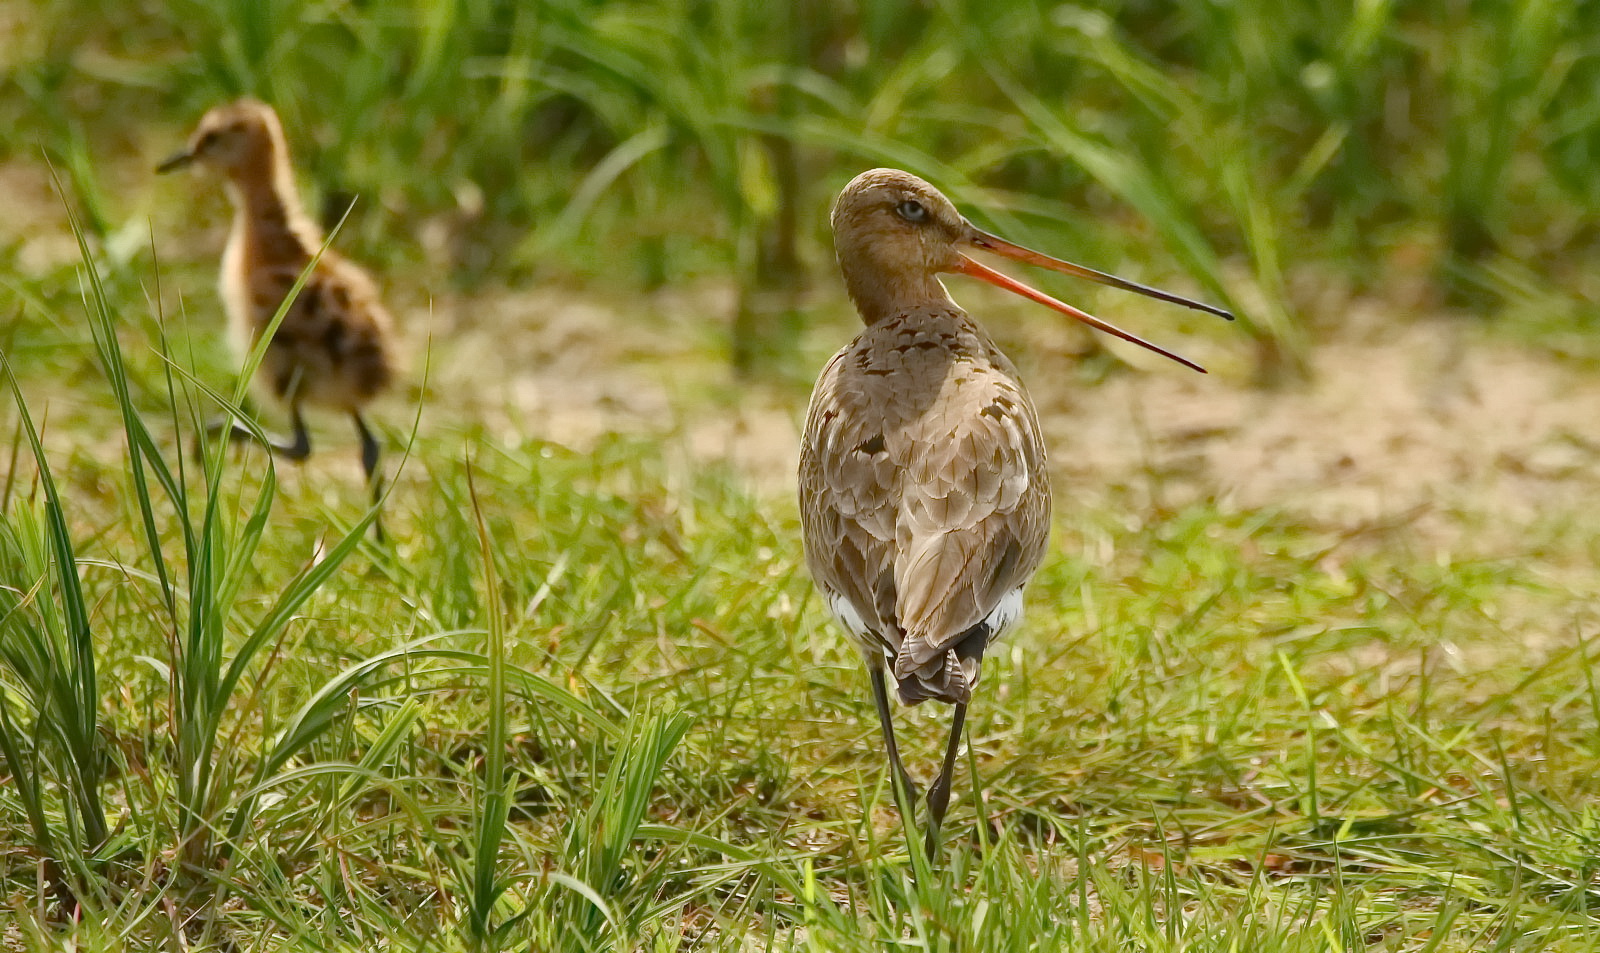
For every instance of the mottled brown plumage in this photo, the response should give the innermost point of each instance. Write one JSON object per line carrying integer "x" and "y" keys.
{"x": 334, "y": 348}
{"x": 925, "y": 494}
{"x": 924, "y": 491}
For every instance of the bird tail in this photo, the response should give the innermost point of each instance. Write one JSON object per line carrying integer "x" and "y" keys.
{"x": 949, "y": 676}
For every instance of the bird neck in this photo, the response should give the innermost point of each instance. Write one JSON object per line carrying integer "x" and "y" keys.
{"x": 268, "y": 214}
{"x": 879, "y": 294}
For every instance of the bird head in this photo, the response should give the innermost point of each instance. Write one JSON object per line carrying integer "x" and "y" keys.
{"x": 234, "y": 139}
{"x": 892, "y": 228}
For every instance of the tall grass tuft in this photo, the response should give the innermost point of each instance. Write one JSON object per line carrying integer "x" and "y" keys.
{"x": 594, "y": 892}
{"x": 50, "y": 653}
{"x": 483, "y": 886}
{"x": 47, "y": 647}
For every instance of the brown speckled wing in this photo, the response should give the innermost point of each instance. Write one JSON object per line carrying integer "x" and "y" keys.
{"x": 923, "y": 486}
{"x": 332, "y": 347}
{"x": 846, "y": 486}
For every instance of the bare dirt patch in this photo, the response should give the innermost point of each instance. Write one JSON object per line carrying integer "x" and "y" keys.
{"x": 1396, "y": 418}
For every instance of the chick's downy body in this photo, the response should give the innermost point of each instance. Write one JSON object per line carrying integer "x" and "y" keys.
{"x": 334, "y": 348}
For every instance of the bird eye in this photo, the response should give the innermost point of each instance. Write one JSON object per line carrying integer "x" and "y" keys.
{"x": 912, "y": 211}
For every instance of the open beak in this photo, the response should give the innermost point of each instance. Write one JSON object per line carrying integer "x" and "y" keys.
{"x": 176, "y": 161}
{"x": 1015, "y": 252}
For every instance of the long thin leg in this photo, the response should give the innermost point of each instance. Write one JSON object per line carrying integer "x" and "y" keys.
{"x": 297, "y": 449}
{"x": 301, "y": 447}
{"x": 370, "y": 450}
{"x": 880, "y": 695}
{"x": 939, "y": 792}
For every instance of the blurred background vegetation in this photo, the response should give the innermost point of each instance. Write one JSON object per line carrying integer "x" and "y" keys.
{"x": 1281, "y": 156}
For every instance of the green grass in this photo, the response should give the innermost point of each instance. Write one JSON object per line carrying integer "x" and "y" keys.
{"x": 588, "y": 701}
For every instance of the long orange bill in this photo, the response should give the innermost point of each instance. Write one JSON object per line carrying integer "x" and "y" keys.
{"x": 1028, "y": 256}
{"x": 978, "y": 270}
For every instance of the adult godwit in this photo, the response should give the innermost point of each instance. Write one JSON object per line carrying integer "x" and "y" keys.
{"x": 334, "y": 347}
{"x": 924, "y": 494}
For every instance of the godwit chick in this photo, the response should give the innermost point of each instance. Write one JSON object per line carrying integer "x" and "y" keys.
{"x": 334, "y": 347}
{"x": 924, "y": 495}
